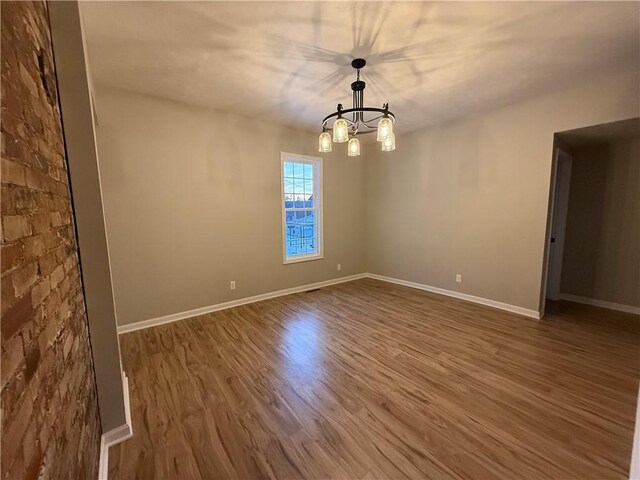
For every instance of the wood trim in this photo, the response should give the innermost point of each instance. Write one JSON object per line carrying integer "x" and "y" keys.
{"x": 153, "y": 322}
{"x": 559, "y": 212}
{"x": 601, "y": 303}
{"x": 116, "y": 435}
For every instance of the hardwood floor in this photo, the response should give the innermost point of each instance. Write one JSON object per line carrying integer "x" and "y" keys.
{"x": 373, "y": 380}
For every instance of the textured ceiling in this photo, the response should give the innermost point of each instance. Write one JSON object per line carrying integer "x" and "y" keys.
{"x": 290, "y": 61}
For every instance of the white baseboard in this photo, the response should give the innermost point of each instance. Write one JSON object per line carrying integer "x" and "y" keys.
{"x": 634, "y": 469}
{"x": 601, "y": 303}
{"x": 462, "y": 296}
{"x": 153, "y": 322}
{"x": 116, "y": 435}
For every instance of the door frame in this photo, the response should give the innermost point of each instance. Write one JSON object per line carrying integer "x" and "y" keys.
{"x": 557, "y": 224}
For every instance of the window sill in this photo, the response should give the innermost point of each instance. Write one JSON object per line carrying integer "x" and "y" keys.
{"x": 302, "y": 258}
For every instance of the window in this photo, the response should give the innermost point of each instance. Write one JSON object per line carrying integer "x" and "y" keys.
{"x": 301, "y": 207}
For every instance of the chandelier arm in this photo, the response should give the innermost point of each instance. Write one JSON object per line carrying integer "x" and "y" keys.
{"x": 373, "y": 119}
{"x": 382, "y": 111}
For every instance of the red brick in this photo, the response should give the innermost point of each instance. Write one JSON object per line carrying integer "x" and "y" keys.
{"x": 32, "y": 358}
{"x": 51, "y": 239}
{"x": 14, "y": 227}
{"x": 7, "y": 202}
{"x": 12, "y": 436}
{"x": 24, "y": 277}
{"x": 16, "y": 316}
{"x": 33, "y": 452}
{"x": 48, "y": 263}
{"x": 13, "y": 172}
{"x": 40, "y": 292}
{"x": 35, "y": 179}
{"x": 8, "y": 294}
{"x": 40, "y": 222}
{"x": 14, "y": 148}
{"x": 57, "y": 275}
{"x": 43, "y": 435}
{"x": 11, "y": 256}
{"x": 12, "y": 357}
{"x": 27, "y": 200}
{"x": 52, "y": 302}
{"x": 33, "y": 247}
{"x": 13, "y": 466}
{"x": 48, "y": 335}
{"x": 55, "y": 219}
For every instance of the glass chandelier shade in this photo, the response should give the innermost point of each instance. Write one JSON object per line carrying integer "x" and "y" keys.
{"x": 385, "y": 128}
{"x": 353, "y": 147}
{"x": 389, "y": 143}
{"x": 324, "y": 142}
{"x": 340, "y": 131}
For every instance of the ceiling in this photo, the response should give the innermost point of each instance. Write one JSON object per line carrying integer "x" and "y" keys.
{"x": 600, "y": 134}
{"x": 290, "y": 61}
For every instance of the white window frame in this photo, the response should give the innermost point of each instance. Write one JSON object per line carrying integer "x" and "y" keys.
{"x": 316, "y": 162}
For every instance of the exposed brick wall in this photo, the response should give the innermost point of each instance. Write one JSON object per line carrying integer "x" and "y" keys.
{"x": 50, "y": 423}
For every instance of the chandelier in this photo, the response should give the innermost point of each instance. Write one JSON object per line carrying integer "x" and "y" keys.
{"x": 351, "y": 121}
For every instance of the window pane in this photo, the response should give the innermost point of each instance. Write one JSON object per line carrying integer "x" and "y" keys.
{"x": 293, "y": 238}
{"x": 300, "y": 232}
{"x": 288, "y": 169}
{"x": 299, "y": 201}
{"x": 309, "y": 232}
{"x": 308, "y": 201}
{"x": 288, "y": 185}
{"x": 308, "y": 171}
{"x": 298, "y": 170}
{"x": 298, "y": 186}
{"x": 308, "y": 186}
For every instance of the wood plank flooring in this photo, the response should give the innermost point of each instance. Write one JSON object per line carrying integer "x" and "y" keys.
{"x": 373, "y": 380}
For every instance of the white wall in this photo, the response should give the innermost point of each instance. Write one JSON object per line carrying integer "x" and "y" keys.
{"x": 192, "y": 201}
{"x": 471, "y": 196}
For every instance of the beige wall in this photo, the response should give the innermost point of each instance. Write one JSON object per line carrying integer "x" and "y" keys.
{"x": 602, "y": 249}
{"x": 471, "y": 196}
{"x": 192, "y": 201}
{"x": 80, "y": 144}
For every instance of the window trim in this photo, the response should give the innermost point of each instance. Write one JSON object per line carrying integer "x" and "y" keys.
{"x": 318, "y": 182}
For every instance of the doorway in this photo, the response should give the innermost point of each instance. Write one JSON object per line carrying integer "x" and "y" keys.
{"x": 592, "y": 249}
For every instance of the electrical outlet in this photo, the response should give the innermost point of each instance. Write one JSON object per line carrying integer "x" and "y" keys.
{"x": 458, "y": 278}
{"x": 339, "y": 267}
{"x": 232, "y": 285}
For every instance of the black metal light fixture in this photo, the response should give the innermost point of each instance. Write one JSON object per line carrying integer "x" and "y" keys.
{"x": 351, "y": 121}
